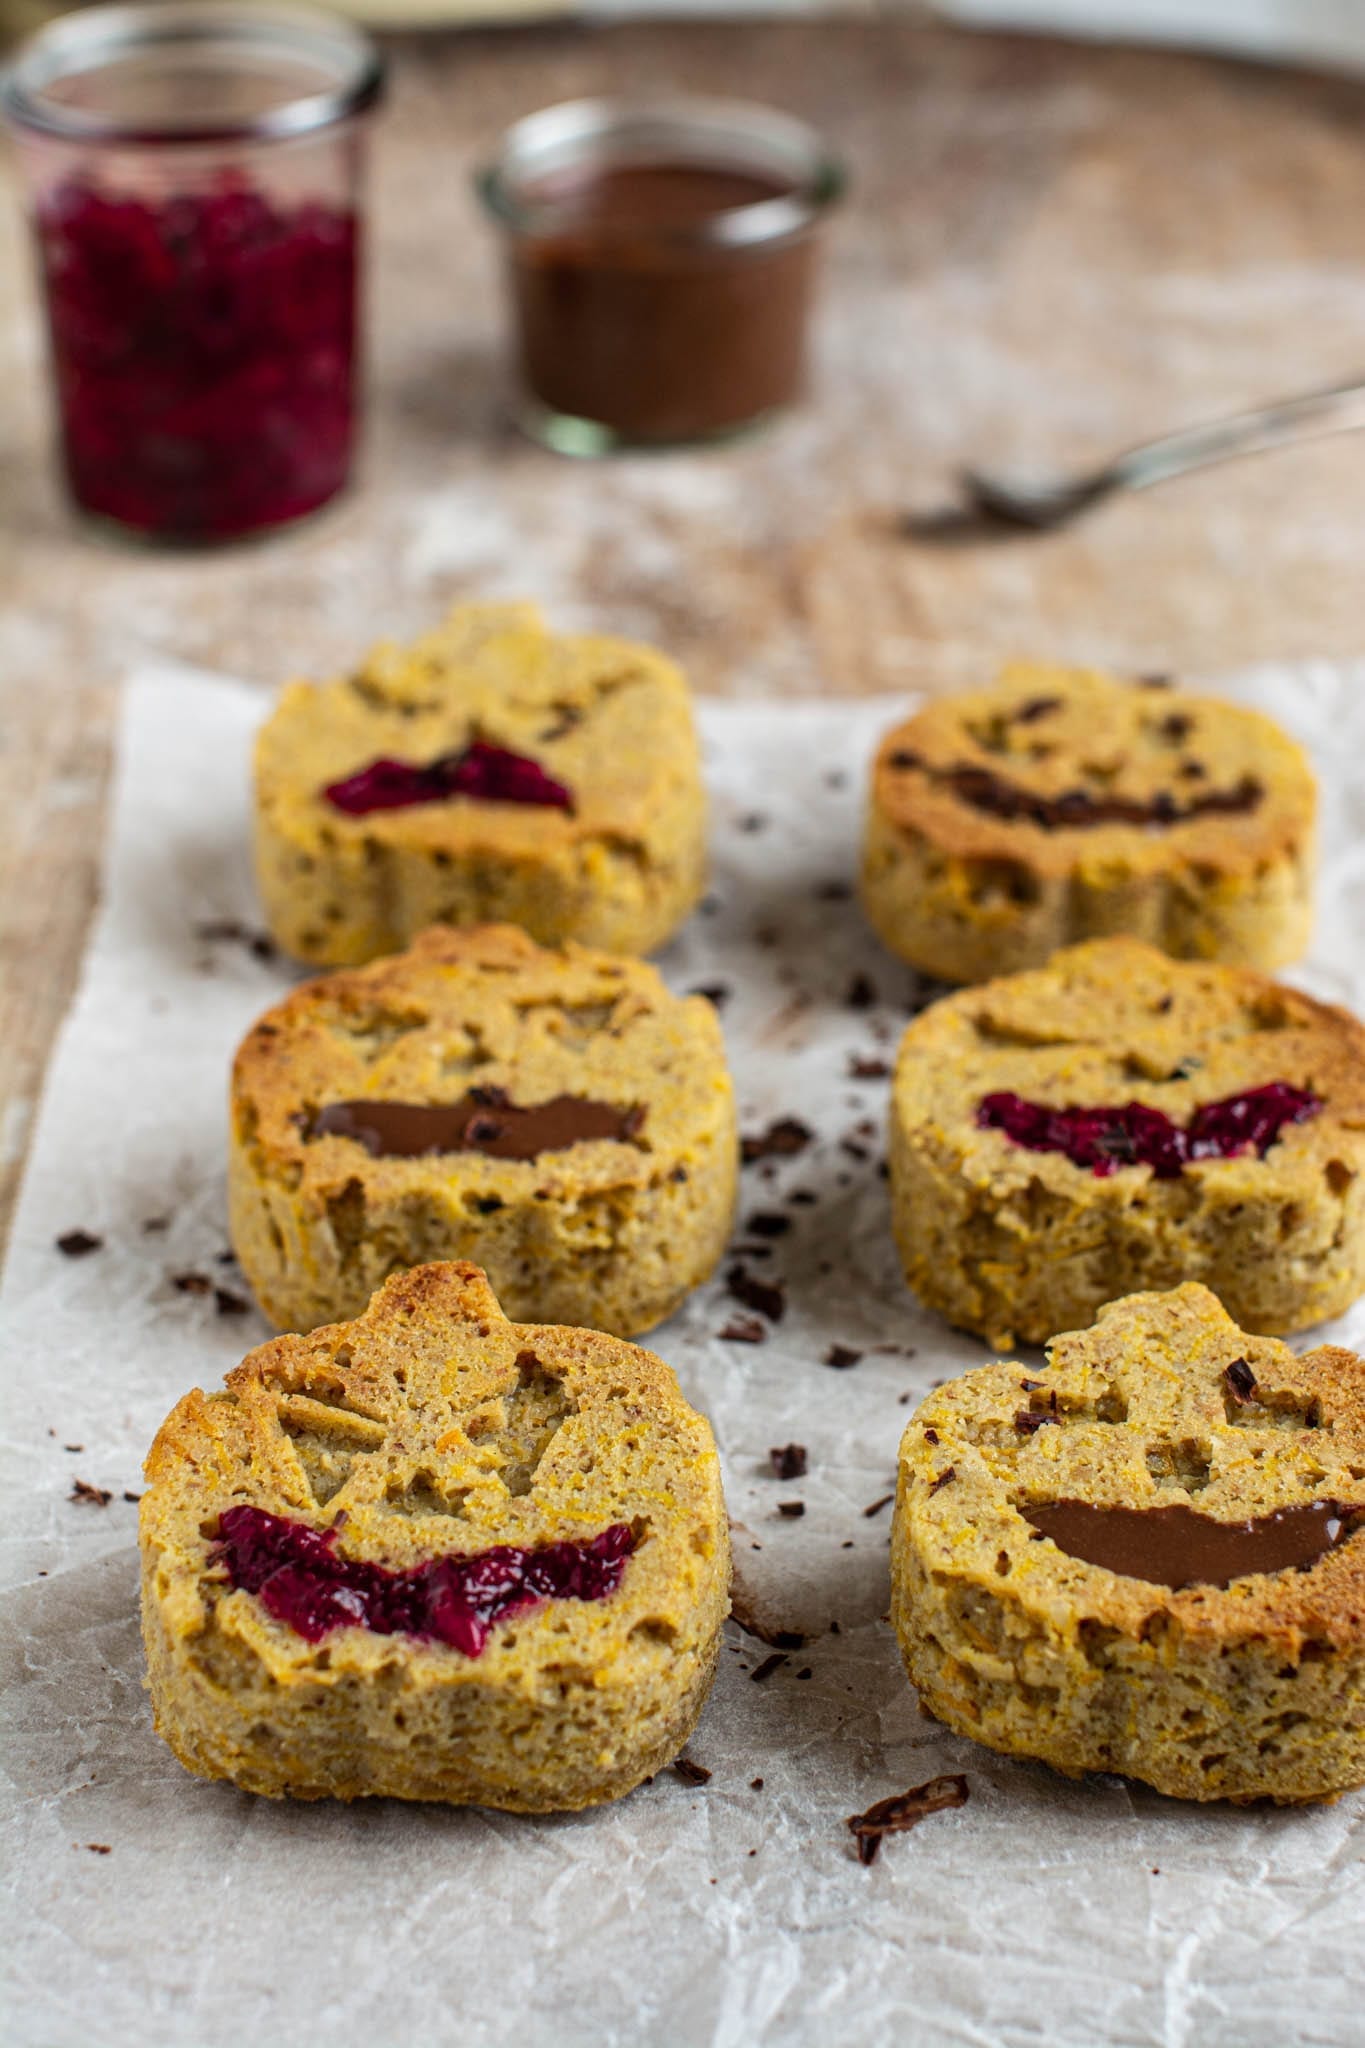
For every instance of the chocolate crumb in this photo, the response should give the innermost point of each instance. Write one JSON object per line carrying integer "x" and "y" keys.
{"x": 861, "y": 1068}
{"x": 755, "y": 1784}
{"x": 783, "y": 1139}
{"x": 227, "y": 1303}
{"x": 877, "y": 1505}
{"x": 695, "y": 1774}
{"x": 764, "y": 1296}
{"x": 943, "y": 1478}
{"x": 133, "y": 1497}
{"x": 232, "y": 931}
{"x": 77, "y": 1244}
{"x": 768, "y": 1666}
{"x": 768, "y": 1223}
{"x": 854, "y": 1148}
{"x": 788, "y": 1461}
{"x": 841, "y": 1357}
{"x": 931, "y": 1436}
{"x": 803, "y": 1198}
{"x": 77, "y": 1448}
{"x": 744, "y": 1330}
{"x": 101, "y": 1848}
{"x": 834, "y": 1628}
{"x": 903, "y": 1811}
{"x": 191, "y": 1283}
{"x": 716, "y": 992}
{"x": 90, "y": 1496}
{"x": 805, "y": 1672}
{"x": 152, "y": 1224}
{"x": 834, "y": 892}
{"x": 791, "y": 1510}
{"x": 862, "y": 992}
{"x": 1240, "y": 1382}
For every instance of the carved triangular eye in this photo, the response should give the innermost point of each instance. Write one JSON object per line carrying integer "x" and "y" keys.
{"x": 327, "y": 1438}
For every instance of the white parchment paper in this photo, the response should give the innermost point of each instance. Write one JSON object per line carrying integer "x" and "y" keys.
{"x": 723, "y": 1914}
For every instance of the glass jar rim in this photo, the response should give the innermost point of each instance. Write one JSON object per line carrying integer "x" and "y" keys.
{"x": 735, "y": 134}
{"x": 83, "y": 41}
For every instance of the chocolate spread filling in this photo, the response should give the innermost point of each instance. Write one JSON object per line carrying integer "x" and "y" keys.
{"x": 481, "y": 1121}
{"x": 984, "y": 790}
{"x": 1175, "y": 1547}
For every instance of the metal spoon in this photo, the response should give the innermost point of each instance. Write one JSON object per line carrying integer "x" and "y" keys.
{"x": 1041, "y": 504}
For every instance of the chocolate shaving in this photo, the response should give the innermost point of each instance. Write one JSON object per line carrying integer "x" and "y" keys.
{"x": 782, "y": 1140}
{"x": 229, "y": 1304}
{"x": 768, "y": 1666}
{"x": 841, "y": 1357}
{"x": 788, "y": 1461}
{"x": 191, "y": 1283}
{"x": 90, "y": 1496}
{"x": 695, "y": 1774}
{"x": 76, "y": 1244}
{"x": 133, "y": 1497}
{"x": 861, "y": 1068}
{"x": 791, "y": 1510}
{"x": 744, "y": 1330}
{"x": 862, "y": 992}
{"x": 876, "y": 1506}
{"x": 101, "y": 1848}
{"x": 231, "y": 931}
{"x": 768, "y": 1223}
{"x": 1240, "y": 1382}
{"x": 905, "y": 1810}
{"x": 764, "y": 1296}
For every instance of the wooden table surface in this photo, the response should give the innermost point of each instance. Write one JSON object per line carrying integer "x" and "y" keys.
{"x": 1050, "y": 250}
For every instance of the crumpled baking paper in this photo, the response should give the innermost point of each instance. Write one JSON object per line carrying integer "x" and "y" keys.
{"x": 150, "y": 1906}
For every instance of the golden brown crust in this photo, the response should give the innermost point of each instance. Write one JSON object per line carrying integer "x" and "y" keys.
{"x": 608, "y": 1233}
{"x": 1014, "y": 1243}
{"x": 963, "y": 892}
{"x": 1253, "y": 1690}
{"x": 438, "y": 1428}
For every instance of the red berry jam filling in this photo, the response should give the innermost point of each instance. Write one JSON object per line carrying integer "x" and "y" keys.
{"x": 298, "y": 1577}
{"x": 1136, "y": 1135}
{"x": 492, "y": 775}
{"x": 204, "y": 349}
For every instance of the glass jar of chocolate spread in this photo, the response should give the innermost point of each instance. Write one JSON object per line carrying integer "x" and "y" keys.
{"x": 661, "y": 259}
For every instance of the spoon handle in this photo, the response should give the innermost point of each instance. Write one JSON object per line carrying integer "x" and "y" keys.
{"x": 1335, "y": 411}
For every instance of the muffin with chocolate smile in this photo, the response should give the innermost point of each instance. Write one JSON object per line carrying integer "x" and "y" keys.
{"x": 492, "y": 771}
{"x": 1063, "y": 804}
{"x": 1146, "y": 1556}
{"x": 556, "y": 1116}
{"x": 1118, "y": 1120}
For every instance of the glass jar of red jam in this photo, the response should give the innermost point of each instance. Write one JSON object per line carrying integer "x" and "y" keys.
{"x": 194, "y": 173}
{"x": 661, "y": 260}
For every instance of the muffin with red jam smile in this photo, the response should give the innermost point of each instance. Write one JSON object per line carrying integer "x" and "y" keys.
{"x": 1119, "y": 1120}
{"x": 491, "y": 772}
{"x": 1064, "y": 804}
{"x": 434, "y": 1554}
